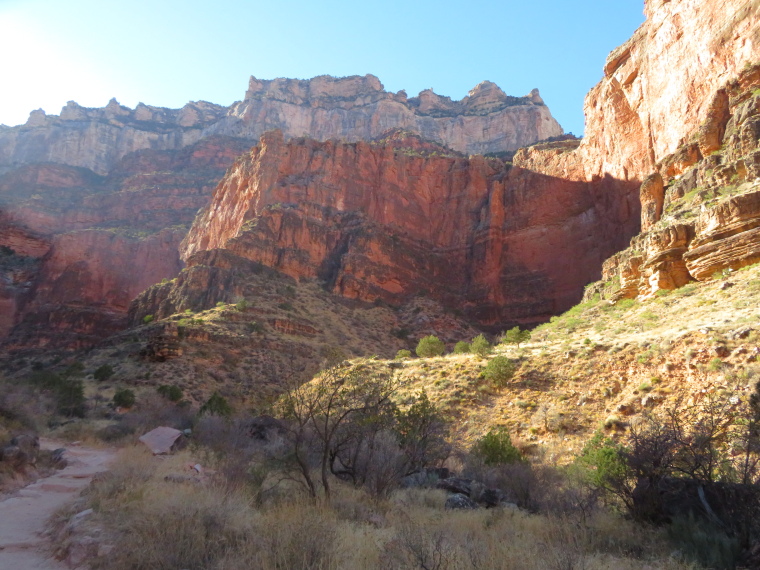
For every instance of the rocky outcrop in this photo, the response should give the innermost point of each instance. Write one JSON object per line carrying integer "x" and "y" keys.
{"x": 347, "y": 108}
{"x": 727, "y": 237}
{"x": 700, "y": 213}
{"x": 97, "y": 139}
{"x": 378, "y": 221}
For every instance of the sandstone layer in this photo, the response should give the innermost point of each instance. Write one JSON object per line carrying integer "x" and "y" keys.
{"x": 701, "y": 209}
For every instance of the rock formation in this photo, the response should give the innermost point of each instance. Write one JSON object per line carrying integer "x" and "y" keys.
{"x": 659, "y": 87}
{"x": 392, "y": 219}
{"x": 358, "y": 108}
{"x": 701, "y": 209}
{"x": 78, "y": 247}
{"x": 348, "y": 108}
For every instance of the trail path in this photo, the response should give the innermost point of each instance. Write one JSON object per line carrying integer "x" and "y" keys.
{"x": 23, "y": 515}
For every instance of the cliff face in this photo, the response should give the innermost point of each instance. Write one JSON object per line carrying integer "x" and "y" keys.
{"x": 349, "y": 108}
{"x": 392, "y": 219}
{"x": 358, "y": 108}
{"x": 661, "y": 89}
{"x": 700, "y": 212}
{"x": 79, "y": 247}
{"x": 97, "y": 139}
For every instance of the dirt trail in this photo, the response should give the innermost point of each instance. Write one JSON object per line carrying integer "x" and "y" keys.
{"x": 23, "y": 515}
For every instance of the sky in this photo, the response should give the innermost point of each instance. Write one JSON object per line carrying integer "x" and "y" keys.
{"x": 168, "y": 52}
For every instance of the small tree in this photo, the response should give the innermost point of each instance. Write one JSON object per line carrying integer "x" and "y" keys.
{"x": 516, "y": 336}
{"x": 170, "y": 392}
{"x": 462, "y": 347}
{"x": 318, "y": 412}
{"x": 217, "y": 405}
{"x": 422, "y": 433}
{"x": 499, "y": 370}
{"x": 602, "y": 465}
{"x": 430, "y": 346}
{"x": 496, "y": 448}
{"x": 481, "y": 346}
{"x": 124, "y": 398}
{"x": 403, "y": 353}
{"x": 103, "y": 373}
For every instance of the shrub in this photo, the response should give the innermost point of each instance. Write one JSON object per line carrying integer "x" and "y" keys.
{"x": 216, "y": 405}
{"x": 715, "y": 365}
{"x": 170, "y": 392}
{"x": 516, "y": 336}
{"x": 430, "y": 346}
{"x": 462, "y": 347}
{"x": 67, "y": 392}
{"x": 241, "y": 305}
{"x": 495, "y": 448}
{"x": 481, "y": 346}
{"x": 103, "y": 372}
{"x": 124, "y": 398}
{"x": 602, "y": 464}
{"x": 403, "y": 353}
{"x": 147, "y": 319}
{"x": 499, "y": 370}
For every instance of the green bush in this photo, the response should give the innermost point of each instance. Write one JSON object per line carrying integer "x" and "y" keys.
{"x": 147, "y": 319}
{"x": 495, "y": 448}
{"x": 103, "y": 372}
{"x": 462, "y": 347}
{"x": 499, "y": 370}
{"x": 481, "y": 346}
{"x": 124, "y": 398}
{"x": 70, "y": 398}
{"x": 403, "y": 353}
{"x": 170, "y": 392}
{"x": 516, "y": 336}
{"x": 216, "y": 405}
{"x": 602, "y": 464}
{"x": 430, "y": 346}
{"x": 68, "y": 392}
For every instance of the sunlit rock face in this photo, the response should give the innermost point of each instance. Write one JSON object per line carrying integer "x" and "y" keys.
{"x": 358, "y": 108}
{"x": 400, "y": 217}
{"x": 347, "y": 108}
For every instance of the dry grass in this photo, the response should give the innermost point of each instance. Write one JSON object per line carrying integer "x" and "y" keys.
{"x": 153, "y": 523}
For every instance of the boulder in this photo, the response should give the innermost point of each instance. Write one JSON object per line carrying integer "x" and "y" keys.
{"x": 163, "y": 440}
{"x": 459, "y": 501}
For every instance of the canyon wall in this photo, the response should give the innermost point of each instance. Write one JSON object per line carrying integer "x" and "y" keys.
{"x": 348, "y": 108}
{"x": 392, "y": 219}
{"x": 78, "y": 247}
{"x": 487, "y": 120}
{"x": 659, "y": 87}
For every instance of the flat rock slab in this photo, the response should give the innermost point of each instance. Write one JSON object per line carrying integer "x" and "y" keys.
{"x": 161, "y": 440}
{"x": 23, "y": 516}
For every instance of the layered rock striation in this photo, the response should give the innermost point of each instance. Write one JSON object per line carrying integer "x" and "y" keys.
{"x": 357, "y": 108}
{"x": 701, "y": 208}
{"x": 393, "y": 219}
{"x": 78, "y": 247}
{"x": 348, "y": 108}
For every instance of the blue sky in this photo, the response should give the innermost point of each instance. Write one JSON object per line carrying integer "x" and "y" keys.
{"x": 168, "y": 52}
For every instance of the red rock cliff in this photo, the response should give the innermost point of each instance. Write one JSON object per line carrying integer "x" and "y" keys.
{"x": 380, "y": 220}
{"x": 660, "y": 86}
